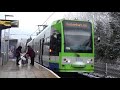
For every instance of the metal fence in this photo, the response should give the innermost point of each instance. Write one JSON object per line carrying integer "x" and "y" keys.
{"x": 107, "y": 69}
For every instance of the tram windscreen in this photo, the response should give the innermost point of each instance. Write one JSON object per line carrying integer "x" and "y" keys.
{"x": 78, "y": 36}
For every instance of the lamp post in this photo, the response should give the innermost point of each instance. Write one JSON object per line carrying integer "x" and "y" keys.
{"x": 6, "y": 56}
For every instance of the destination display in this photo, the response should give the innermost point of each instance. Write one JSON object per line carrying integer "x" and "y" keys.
{"x": 76, "y": 25}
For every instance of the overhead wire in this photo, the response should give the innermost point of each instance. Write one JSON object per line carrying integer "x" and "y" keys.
{"x": 44, "y": 22}
{"x": 22, "y": 34}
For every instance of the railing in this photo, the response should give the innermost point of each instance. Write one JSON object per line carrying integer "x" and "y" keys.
{"x": 108, "y": 69}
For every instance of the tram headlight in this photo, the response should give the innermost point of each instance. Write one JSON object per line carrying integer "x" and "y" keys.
{"x": 68, "y": 61}
{"x": 89, "y": 60}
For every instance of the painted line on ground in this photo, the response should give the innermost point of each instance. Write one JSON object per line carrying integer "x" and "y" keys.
{"x": 48, "y": 70}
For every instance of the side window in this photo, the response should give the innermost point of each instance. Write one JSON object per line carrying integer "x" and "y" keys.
{"x": 46, "y": 46}
{"x": 36, "y": 48}
{"x": 59, "y": 42}
{"x": 55, "y": 42}
{"x": 33, "y": 44}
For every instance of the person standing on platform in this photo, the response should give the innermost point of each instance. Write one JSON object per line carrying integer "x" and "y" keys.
{"x": 31, "y": 54}
{"x": 18, "y": 54}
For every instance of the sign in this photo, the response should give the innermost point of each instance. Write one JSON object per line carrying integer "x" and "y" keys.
{"x": 14, "y": 23}
{"x": 68, "y": 24}
{"x": 5, "y": 23}
{"x": 12, "y": 48}
{"x": 76, "y": 25}
{"x": 9, "y": 23}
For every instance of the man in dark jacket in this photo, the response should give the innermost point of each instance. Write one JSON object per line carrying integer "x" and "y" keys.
{"x": 18, "y": 51}
{"x": 31, "y": 53}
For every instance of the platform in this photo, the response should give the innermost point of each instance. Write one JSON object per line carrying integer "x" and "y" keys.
{"x": 11, "y": 70}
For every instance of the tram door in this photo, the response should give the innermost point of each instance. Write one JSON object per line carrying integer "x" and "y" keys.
{"x": 33, "y": 45}
{"x": 41, "y": 51}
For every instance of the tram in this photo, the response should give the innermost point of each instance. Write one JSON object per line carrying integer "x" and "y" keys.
{"x": 66, "y": 46}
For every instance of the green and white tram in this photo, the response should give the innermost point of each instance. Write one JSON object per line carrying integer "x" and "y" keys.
{"x": 66, "y": 46}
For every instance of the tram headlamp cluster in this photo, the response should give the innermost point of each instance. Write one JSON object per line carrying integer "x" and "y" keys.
{"x": 89, "y": 60}
{"x": 66, "y": 60}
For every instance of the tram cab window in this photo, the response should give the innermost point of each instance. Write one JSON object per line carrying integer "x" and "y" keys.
{"x": 59, "y": 42}
{"x": 55, "y": 44}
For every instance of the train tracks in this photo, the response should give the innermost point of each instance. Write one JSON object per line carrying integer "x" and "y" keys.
{"x": 70, "y": 75}
{"x": 90, "y": 75}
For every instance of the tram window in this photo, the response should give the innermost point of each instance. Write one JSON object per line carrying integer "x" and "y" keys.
{"x": 46, "y": 46}
{"x": 59, "y": 42}
{"x": 55, "y": 44}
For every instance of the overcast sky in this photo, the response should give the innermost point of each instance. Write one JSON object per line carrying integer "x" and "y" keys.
{"x": 28, "y": 21}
